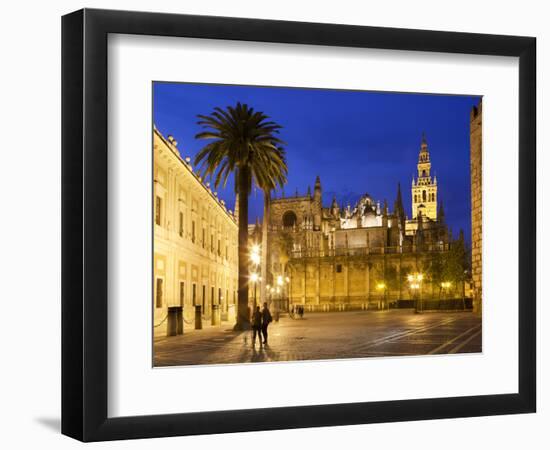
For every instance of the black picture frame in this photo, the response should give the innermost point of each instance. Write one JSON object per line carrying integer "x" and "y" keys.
{"x": 84, "y": 224}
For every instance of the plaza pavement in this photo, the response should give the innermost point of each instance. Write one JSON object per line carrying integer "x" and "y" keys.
{"x": 334, "y": 335}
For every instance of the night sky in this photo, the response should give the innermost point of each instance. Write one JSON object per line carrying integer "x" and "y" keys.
{"x": 356, "y": 141}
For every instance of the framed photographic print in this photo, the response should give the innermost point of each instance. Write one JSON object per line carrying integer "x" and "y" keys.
{"x": 274, "y": 225}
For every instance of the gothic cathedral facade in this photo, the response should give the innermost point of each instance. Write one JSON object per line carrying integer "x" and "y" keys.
{"x": 355, "y": 257}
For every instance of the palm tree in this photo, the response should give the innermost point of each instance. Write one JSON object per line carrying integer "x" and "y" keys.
{"x": 243, "y": 144}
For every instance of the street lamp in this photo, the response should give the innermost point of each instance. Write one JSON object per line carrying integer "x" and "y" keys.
{"x": 255, "y": 259}
{"x": 255, "y": 254}
{"x": 445, "y": 285}
{"x": 415, "y": 280}
{"x": 283, "y": 283}
{"x": 381, "y": 286}
{"x": 280, "y": 281}
{"x": 254, "y": 278}
{"x": 464, "y": 289}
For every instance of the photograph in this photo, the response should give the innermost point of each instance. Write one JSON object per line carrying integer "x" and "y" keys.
{"x": 281, "y": 224}
{"x": 294, "y": 224}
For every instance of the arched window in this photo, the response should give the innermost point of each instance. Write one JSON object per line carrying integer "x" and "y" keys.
{"x": 423, "y": 173}
{"x": 423, "y": 196}
{"x": 289, "y": 219}
{"x": 415, "y": 198}
{"x": 433, "y": 197}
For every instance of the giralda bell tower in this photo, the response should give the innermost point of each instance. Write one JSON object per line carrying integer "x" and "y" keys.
{"x": 424, "y": 188}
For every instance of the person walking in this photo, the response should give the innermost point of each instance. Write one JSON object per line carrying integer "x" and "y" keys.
{"x": 256, "y": 326}
{"x": 266, "y": 320}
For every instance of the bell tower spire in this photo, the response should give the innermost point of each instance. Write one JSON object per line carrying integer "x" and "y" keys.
{"x": 424, "y": 188}
{"x": 317, "y": 204}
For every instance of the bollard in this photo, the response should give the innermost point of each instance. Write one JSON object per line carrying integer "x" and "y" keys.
{"x": 172, "y": 326}
{"x": 216, "y": 315}
{"x": 198, "y": 317}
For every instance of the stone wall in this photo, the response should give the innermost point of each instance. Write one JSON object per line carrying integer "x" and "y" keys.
{"x": 360, "y": 282}
{"x": 477, "y": 194}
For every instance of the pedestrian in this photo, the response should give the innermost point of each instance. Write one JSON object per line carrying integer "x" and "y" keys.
{"x": 266, "y": 320}
{"x": 256, "y": 326}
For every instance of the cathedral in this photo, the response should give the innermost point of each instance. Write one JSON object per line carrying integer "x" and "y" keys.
{"x": 355, "y": 257}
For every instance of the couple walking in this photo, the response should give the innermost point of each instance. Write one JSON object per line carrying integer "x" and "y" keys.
{"x": 260, "y": 322}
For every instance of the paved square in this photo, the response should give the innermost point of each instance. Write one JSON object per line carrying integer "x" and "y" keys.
{"x": 320, "y": 336}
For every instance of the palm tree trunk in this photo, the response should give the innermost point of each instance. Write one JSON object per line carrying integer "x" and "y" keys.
{"x": 243, "y": 314}
{"x": 267, "y": 198}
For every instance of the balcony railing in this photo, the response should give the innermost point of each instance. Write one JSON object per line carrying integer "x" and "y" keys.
{"x": 365, "y": 251}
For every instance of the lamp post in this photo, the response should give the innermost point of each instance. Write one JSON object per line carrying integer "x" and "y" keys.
{"x": 254, "y": 278}
{"x": 255, "y": 259}
{"x": 446, "y": 285}
{"x": 382, "y": 287}
{"x": 415, "y": 284}
{"x": 255, "y": 254}
{"x": 276, "y": 291}
{"x": 464, "y": 290}
{"x": 287, "y": 297}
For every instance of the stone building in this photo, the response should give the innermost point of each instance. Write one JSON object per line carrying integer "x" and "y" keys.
{"x": 477, "y": 195}
{"x": 357, "y": 256}
{"x": 195, "y": 246}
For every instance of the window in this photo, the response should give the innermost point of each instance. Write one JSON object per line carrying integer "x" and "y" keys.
{"x": 338, "y": 268}
{"x": 219, "y": 248}
{"x": 203, "y": 297}
{"x": 289, "y": 219}
{"x": 159, "y": 293}
{"x": 193, "y": 237}
{"x": 194, "y": 294}
{"x": 212, "y": 295}
{"x": 423, "y": 173}
{"x": 181, "y": 225}
{"x": 415, "y": 198}
{"x": 203, "y": 238}
{"x": 182, "y": 293}
{"x": 423, "y": 196}
{"x": 158, "y": 205}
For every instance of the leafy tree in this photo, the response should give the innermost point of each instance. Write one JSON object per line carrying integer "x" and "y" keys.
{"x": 436, "y": 269}
{"x": 456, "y": 263}
{"x": 392, "y": 278}
{"x": 450, "y": 266}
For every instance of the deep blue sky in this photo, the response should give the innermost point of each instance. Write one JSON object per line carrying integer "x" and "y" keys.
{"x": 356, "y": 141}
